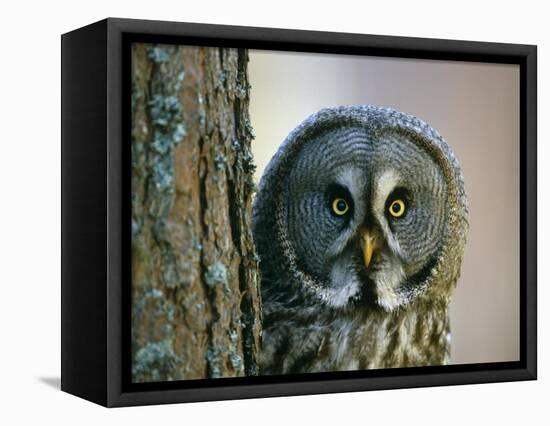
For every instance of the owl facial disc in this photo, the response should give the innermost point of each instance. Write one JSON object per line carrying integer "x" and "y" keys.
{"x": 363, "y": 200}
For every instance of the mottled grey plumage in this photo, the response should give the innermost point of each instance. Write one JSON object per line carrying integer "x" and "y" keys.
{"x": 326, "y": 305}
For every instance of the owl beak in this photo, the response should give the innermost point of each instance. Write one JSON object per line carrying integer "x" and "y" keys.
{"x": 368, "y": 244}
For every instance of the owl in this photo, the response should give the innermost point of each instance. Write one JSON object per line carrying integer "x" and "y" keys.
{"x": 360, "y": 224}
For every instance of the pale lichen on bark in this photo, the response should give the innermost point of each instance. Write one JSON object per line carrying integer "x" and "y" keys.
{"x": 195, "y": 299}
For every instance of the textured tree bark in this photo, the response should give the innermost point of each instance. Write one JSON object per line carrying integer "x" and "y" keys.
{"x": 195, "y": 299}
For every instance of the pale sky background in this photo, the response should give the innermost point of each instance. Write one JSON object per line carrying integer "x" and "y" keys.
{"x": 475, "y": 107}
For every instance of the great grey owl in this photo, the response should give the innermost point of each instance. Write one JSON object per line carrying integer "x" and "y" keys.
{"x": 360, "y": 224}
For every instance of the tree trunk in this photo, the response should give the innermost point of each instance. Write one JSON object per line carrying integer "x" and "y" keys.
{"x": 195, "y": 299}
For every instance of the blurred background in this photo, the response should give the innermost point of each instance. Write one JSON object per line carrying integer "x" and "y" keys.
{"x": 475, "y": 107}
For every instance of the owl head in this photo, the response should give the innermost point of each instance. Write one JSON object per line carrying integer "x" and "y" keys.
{"x": 361, "y": 206}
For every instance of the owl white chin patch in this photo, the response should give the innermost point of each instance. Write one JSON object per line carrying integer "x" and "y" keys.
{"x": 345, "y": 284}
{"x": 387, "y": 284}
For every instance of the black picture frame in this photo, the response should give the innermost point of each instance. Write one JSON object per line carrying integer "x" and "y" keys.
{"x": 95, "y": 210}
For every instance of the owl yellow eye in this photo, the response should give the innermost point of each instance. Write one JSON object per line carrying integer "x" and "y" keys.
{"x": 397, "y": 208}
{"x": 340, "y": 206}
